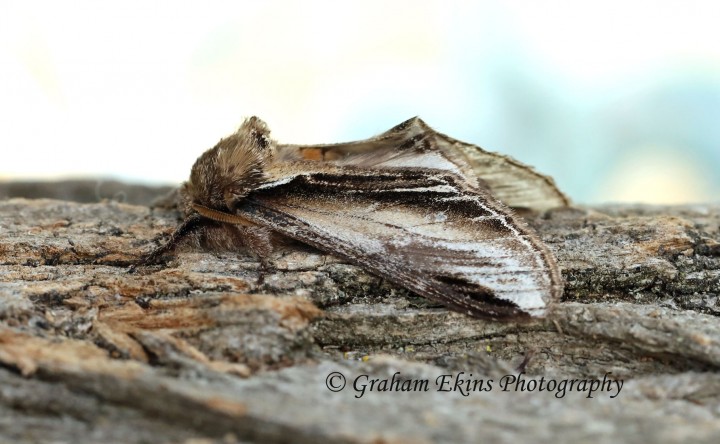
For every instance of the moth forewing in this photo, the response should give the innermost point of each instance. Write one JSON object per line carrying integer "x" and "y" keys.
{"x": 421, "y": 229}
{"x": 403, "y": 205}
{"x": 515, "y": 184}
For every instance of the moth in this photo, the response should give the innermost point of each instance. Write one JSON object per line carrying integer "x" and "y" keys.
{"x": 411, "y": 205}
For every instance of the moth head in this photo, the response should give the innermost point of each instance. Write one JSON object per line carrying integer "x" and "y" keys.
{"x": 225, "y": 174}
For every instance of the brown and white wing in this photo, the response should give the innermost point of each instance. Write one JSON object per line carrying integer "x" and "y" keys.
{"x": 517, "y": 185}
{"x": 425, "y": 230}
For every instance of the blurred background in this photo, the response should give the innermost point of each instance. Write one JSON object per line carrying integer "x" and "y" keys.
{"x": 618, "y": 100}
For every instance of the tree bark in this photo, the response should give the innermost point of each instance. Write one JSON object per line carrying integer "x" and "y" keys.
{"x": 207, "y": 348}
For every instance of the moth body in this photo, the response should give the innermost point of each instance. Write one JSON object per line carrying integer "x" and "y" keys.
{"x": 407, "y": 205}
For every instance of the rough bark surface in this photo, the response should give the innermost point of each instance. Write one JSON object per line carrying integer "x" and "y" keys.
{"x": 205, "y": 349}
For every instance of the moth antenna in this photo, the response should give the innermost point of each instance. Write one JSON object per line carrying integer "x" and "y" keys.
{"x": 219, "y": 216}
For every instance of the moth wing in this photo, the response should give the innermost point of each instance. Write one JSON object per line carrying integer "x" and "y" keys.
{"x": 424, "y": 230}
{"x": 514, "y": 183}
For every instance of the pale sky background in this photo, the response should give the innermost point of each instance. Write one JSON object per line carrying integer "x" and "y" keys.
{"x": 618, "y": 100}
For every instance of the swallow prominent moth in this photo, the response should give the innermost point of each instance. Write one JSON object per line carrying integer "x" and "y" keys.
{"x": 413, "y": 206}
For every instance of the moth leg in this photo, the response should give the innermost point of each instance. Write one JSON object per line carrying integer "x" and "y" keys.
{"x": 186, "y": 227}
{"x": 259, "y": 241}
